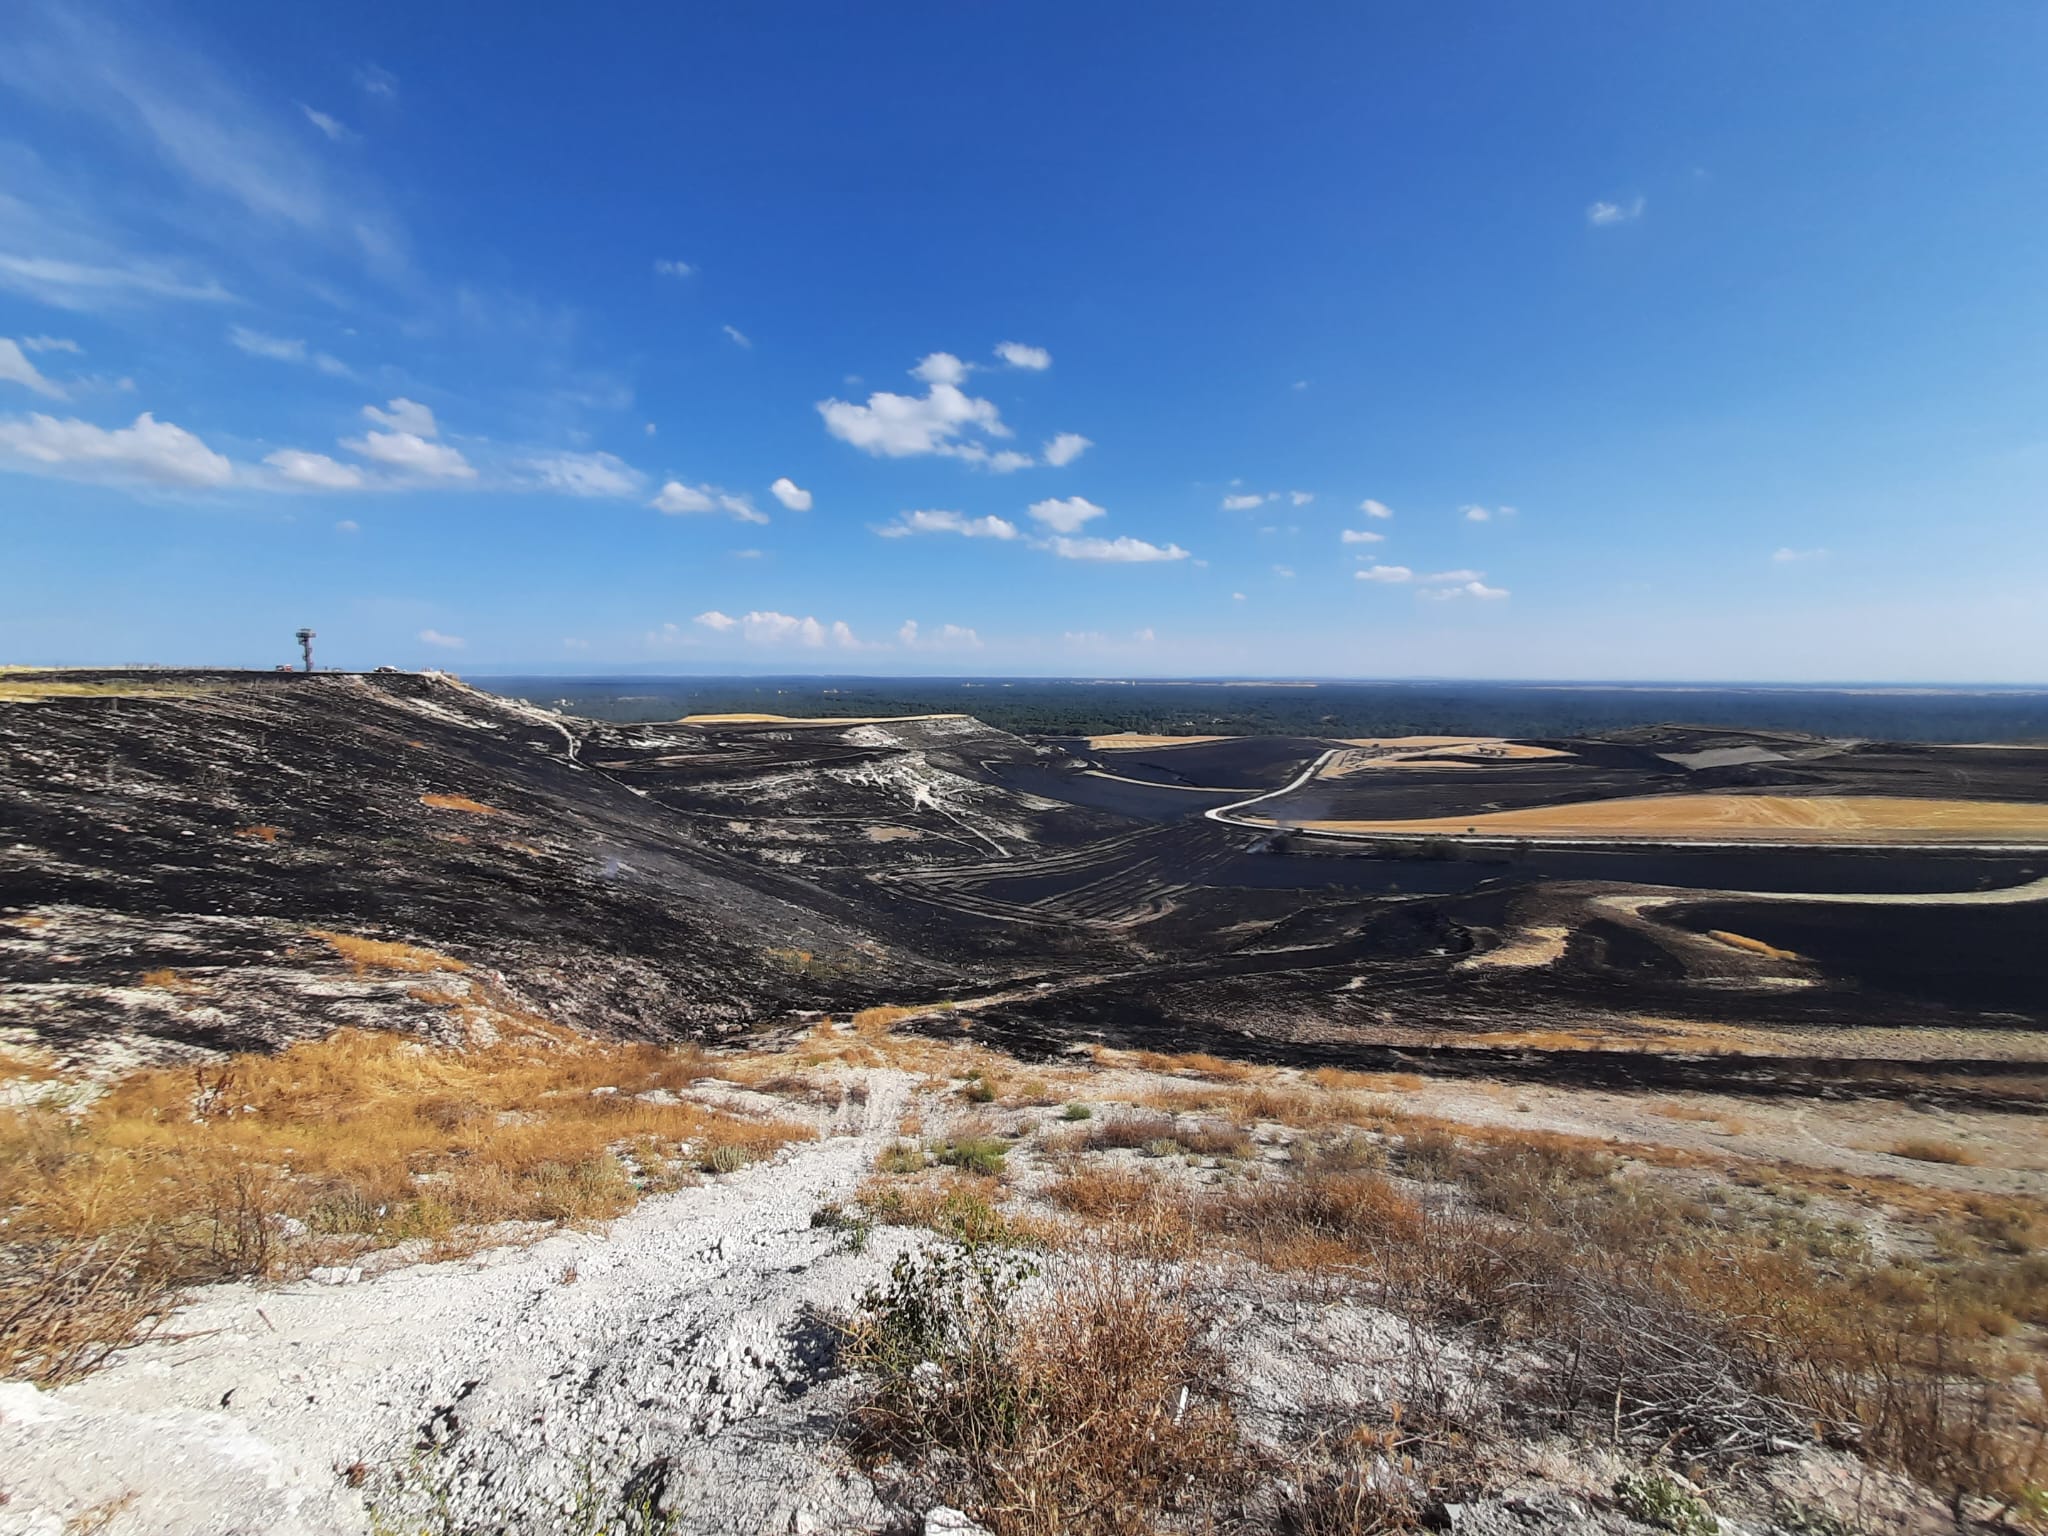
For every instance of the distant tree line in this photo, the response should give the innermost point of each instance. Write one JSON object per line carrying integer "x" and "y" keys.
{"x": 1038, "y": 707}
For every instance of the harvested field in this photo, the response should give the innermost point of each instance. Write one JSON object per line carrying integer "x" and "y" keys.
{"x": 1768, "y": 818}
{"x": 1117, "y": 739}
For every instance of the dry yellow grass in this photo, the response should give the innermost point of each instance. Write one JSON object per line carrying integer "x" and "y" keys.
{"x": 1923, "y": 1149}
{"x": 459, "y": 803}
{"x": 28, "y": 690}
{"x": 1115, "y": 740}
{"x": 263, "y": 833}
{"x": 366, "y": 955}
{"x": 1754, "y": 946}
{"x": 364, "y": 1139}
{"x": 1755, "y": 818}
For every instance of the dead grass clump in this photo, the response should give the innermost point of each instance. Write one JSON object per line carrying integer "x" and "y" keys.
{"x": 459, "y": 803}
{"x": 1922, "y": 1149}
{"x": 962, "y": 1206}
{"x": 1130, "y": 1131}
{"x": 263, "y": 833}
{"x": 164, "y": 979}
{"x": 366, "y": 955}
{"x": 264, "y": 1164}
{"x": 66, "y": 1304}
{"x": 1088, "y": 1412}
{"x": 1314, "y": 1221}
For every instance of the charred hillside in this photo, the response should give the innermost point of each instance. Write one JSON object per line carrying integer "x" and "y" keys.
{"x": 180, "y": 851}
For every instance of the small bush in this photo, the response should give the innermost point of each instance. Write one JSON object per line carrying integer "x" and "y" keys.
{"x": 1087, "y": 1413}
{"x": 974, "y": 1154}
{"x": 725, "y": 1158}
{"x": 1077, "y": 1112}
{"x": 903, "y": 1157}
{"x": 1659, "y": 1501}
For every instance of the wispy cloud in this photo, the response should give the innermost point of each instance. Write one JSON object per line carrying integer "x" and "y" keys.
{"x": 315, "y": 472}
{"x": 947, "y": 637}
{"x": 1790, "y": 556}
{"x": 446, "y": 642}
{"x": 940, "y": 521}
{"x": 668, "y": 268}
{"x": 1602, "y": 214}
{"x": 1373, "y": 508}
{"x": 791, "y": 495}
{"x": 1361, "y": 536}
{"x": 678, "y": 499}
{"x": 1247, "y": 500}
{"x": 738, "y": 337}
{"x": 15, "y": 368}
{"x": 1124, "y": 550}
{"x": 287, "y": 349}
{"x": 586, "y": 474}
{"x": 336, "y": 130}
{"x": 1385, "y": 573}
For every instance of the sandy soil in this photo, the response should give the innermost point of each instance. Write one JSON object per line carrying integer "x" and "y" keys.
{"x": 1766, "y": 818}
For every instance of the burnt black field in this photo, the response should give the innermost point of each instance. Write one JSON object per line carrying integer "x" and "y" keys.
{"x": 662, "y": 880}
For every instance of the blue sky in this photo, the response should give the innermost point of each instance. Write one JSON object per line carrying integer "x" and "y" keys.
{"x": 1570, "y": 341}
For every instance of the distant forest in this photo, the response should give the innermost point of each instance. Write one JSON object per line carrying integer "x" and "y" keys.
{"x": 1042, "y": 707}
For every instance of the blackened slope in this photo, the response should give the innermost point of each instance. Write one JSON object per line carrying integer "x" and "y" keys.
{"x": 228, "y": 824}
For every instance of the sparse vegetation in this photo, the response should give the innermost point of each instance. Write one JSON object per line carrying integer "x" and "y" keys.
{"x": 263, "y": 1164}
{"x": 1086, "y": 1411}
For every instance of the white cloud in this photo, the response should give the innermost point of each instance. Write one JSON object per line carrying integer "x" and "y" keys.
{"x": 1299, "y": 384}
{"x": 571, "y": 643}
{"x": 586, "y": 474}
{"x": 893, "y": 426}
{"x": 650, "y": 429}
{"x": 791, "y": 495}
{"x": 940, "y": 368}
{"x": 1388, "y": 573}
{"x": 1063, "y": 449}
{"x": 842, "y": 636}
{"x": 1787, "y": 555}
{"x": 1066, "y": 516}
{"x": 750, "y": 554}
{"x": 1125, "y": 550}
{"x": 1373, "y": 508}
{"x": 990, "y": 527}
{"x": 404, "y": 416}
{"x": 1361, "y": 536}
{"x": 674, "y": 269}
{"x": 1454, "y": 576}
{"x": 1476, "y": 514}
{"x": 446, "y": 642}
{"x": 1245, "y": 502}
{"x": 316, "y": 471}
{"x": 377, "y": 82}
{"x": 83, "y": 285}
{"x": 1301, "y": 498}
{"x": 1284, "y": 572}
{"x": 151, "y": 450}
{"x": 51, "y": 344}
{"x": 411, "y": 454}
{"x": 333, "y": 127}
{"x": 716, "y": 620}
{"x": 348, "y": 525}
{"x": 771, "y": 628}
{"x": 677, "y": 498}
{"x": 15, "y": 368}
{"x": 1017, "y": 355}
{"x": 287, "y": 349}
{"x": 947, "y": 637}
{"x": 1237, "y": 597}
{"x": 1474, "y": 588}
{"x": 1600, "y": 214}
{"x": 738, "y": 336}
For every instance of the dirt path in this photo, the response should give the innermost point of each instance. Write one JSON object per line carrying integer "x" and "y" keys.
{"x": 674, "y": 1355}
